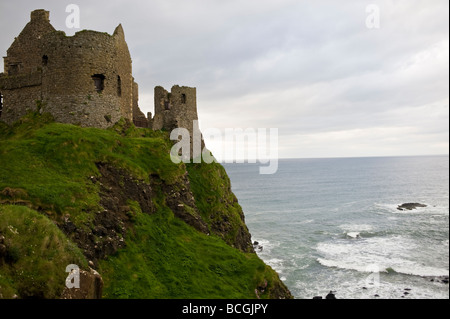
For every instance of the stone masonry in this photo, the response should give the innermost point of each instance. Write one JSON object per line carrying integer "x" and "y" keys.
{"x": 85, "y": 79}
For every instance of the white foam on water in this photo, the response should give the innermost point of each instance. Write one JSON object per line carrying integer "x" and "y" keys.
{"x": 265, "y": 253}
{"x": 266, "y": 246}
{"x": 276, "y": 264}
{"x": 386, "y": 253}
{"x": 354, "y": 234}
{"x": 416, "y": 269}
{"x": 347, "y": 286}
{"x": 356, "y": 227}
{"x": 354, "y": 230}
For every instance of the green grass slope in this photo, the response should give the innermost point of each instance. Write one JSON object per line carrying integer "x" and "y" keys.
{"x": 36, "y": 255}
{"x": 46, "y": 178}
{"x": 166, "y": 258}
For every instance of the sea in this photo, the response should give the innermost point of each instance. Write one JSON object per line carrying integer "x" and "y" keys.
{"x": 333, "y": 225}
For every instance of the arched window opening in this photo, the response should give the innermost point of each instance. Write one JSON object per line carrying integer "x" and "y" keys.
{"x": 44, "y": 60}
{"x": 183, "y": 98}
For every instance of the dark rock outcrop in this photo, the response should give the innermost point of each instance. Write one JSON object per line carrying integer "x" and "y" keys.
{"x": 330, "y": 295}
{"x": 257, "y": 247}
{"x": 410, "y": 206}
{"x": 117, "y": 187}
{"x": 91, "y": 286}
{"x": 180, "y": 200}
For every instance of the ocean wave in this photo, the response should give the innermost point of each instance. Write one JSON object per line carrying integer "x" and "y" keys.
{"x": 354, "y": 230}
{"x": 264, "y": 249}
{"x": 353, "y": 234}
{"x": 412, "y": 269}
{"x": 356, "y": 227}
{"x": 393, "y": 254}
{"x": 276, "y": 264}
{"x": 358, "y": 231}
{"x": 363, "y": 234}
{"x": 266, "y": 244}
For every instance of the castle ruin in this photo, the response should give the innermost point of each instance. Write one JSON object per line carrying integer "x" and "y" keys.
{"x": 85, "y": 79}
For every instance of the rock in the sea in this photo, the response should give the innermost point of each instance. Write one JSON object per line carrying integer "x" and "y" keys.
{"x": 440, "y": 279}
{"x": 410, "y": 206}
{"x": 257, "y": 246}
{"x": 317, "y": 297}
{"x": 330, "y": 295}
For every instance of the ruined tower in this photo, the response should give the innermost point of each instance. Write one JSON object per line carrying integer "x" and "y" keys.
{"x": 177, "y": 108}
{"x": 84, "y": 79}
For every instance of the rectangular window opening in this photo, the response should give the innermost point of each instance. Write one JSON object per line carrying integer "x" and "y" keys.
{"x": 1, "y": 104}
{"x": 119, "y": 86}
{"x": 13, "y": 68}
{"x": 99, "y": 82}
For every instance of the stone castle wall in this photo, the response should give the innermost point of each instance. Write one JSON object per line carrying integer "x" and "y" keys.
{"x": 68, "y": 79}
{"x": 23, "y": 56}
{"x": 85, "y": 79}
{"x": 177, "y": 108}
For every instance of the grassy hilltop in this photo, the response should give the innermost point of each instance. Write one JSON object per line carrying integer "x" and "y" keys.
{"x": 112, "y": 200}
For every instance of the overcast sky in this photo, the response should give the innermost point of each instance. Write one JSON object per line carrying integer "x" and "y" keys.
{"x": 333, "y": 86}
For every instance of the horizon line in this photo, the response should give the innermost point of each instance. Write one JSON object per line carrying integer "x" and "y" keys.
{"x": 245, "y": 161}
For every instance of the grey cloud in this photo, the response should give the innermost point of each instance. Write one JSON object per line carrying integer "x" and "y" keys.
{"x": 306, "y": 67}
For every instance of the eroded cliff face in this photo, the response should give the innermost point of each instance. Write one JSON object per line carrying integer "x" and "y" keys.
{"x": 117, "y": 188}
{"x": 148, "y": 227}
{"x": 222, "y": 217}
